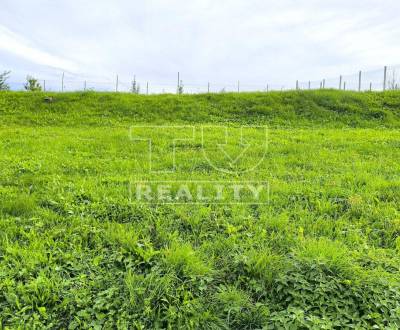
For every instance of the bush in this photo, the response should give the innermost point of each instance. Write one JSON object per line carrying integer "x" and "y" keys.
{"x": 32, "y": 84}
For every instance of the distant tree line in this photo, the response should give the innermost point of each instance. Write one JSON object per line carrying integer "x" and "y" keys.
{"x": 32, "y": 84}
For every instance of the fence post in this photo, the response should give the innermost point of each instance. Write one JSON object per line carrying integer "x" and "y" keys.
{"x": 340, "y": 82}
{"x": 177, "y": 88}
{"x": 344, "y": 86}
{"x": 384, "y": 77}
{"x": 147, "y": 88}
{"x": 84, "y": 86}
{"x": 44, "y": 85}
{"x": 309, "y": 84}
{"x": 238, "y": 86}
{"x": 370, "y": 86}
{"x": 208, "y": 87}
{"x": 116, "y": 84}
{"x": 267, "y": 88}
{"x": 323, "y": 84}
{"x": 297, "y": 85}
{"x": 62, "y": 83}
{"x": 359, "y": 81}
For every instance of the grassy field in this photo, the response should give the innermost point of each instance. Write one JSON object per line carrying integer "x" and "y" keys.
{"x": 322, "y": 252}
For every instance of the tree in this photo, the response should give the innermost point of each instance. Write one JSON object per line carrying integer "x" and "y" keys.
{"x": 135, "y": 89}
{"x": 180, "y": 87}
{"x": 3, "y": 81}
{"x": 32, "y": 84}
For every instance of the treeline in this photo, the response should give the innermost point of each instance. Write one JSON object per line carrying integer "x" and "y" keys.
{"x": 31, "y": 84}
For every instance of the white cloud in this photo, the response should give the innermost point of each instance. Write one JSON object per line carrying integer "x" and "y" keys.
{"x": 256, "y": 41}
{"x": 20, "y": 47}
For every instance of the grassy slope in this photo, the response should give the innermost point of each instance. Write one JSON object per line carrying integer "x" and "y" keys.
{"x": 324, "y": 252}
{"x": 290, "y": 109}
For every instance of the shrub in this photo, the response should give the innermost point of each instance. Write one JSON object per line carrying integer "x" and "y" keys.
{"x": 135, "y": 88}
{"x": 32, "y": 84}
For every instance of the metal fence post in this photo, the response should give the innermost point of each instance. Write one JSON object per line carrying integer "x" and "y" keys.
{"x": 384, "y": 77}
{"x": 359, "y": 81}
{"x": 177, "y": 89}
{"x": 340, "y": 82}
{"x": 62, "y": 83}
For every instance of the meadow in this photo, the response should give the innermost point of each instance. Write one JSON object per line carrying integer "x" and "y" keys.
{"x": 323, "y": 252}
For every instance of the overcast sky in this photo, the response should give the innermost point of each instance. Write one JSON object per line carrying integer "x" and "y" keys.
{"x": 254, "y": 41}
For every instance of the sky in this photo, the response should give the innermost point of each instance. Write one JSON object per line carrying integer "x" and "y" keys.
{"x": 257, "y": 42}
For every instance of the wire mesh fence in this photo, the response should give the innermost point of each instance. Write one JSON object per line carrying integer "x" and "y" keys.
{"x": 387, "y": 78}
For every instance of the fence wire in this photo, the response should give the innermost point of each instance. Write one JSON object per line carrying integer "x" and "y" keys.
{"x": 387, "y": 78}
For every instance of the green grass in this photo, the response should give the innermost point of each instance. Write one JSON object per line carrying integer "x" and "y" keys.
{"x": 324, "y": 252}
{"x": 324, "y": 108}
